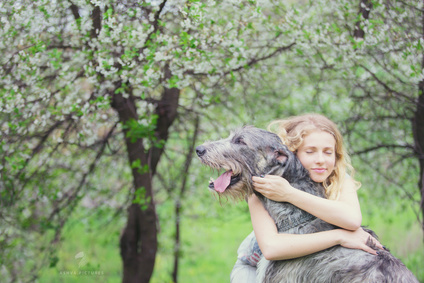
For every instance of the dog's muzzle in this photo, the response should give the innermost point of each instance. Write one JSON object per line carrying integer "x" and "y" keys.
{"x": 224, "y": 181}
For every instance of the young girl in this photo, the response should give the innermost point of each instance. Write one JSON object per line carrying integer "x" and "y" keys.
{"x": 318, "y": 144}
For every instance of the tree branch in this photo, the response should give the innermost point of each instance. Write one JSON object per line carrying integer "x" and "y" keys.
{"x": 385, "y": 86}
{"x": 155, "y": 26}
{"x": 250, "y": 63}
{"x": 75, "y": 11}
{"x": 70, "y": 198}
{"x": 364, "y": 10}
{"x": 96, "y": 18}
{"x": 385, "y": 146}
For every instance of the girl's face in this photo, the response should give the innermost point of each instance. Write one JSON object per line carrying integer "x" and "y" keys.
{"x": 317, "y": 154}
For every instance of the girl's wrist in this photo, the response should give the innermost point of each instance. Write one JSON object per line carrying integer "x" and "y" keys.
{"x": 292, "y": 195}
{"x": 338, "y": 236}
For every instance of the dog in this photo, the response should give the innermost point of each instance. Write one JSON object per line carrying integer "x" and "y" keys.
{"x": 251, "y": 151}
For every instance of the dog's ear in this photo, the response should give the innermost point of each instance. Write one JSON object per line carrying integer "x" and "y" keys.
{"x": 280, "y": 155}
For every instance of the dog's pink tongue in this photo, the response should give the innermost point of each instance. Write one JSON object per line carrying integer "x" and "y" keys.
{"x": 223, "y": 181}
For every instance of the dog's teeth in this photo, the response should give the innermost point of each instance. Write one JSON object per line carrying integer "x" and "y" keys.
{"x": 211, "y": 180}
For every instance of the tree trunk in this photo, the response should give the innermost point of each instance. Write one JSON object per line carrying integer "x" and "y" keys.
{"x": 166, "y": 109}
{"x": 418, "y": 126}
{"x": 418, "y": 130}
{"x": 138, "y": 241}
{"x": 180, "y": 197}
{"x": 364, "y": 9}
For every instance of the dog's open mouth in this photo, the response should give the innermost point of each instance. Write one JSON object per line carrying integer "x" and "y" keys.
{"x": 224, "y": 181}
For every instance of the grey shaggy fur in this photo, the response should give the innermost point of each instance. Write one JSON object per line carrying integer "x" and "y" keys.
{"x": 250, "y": 151}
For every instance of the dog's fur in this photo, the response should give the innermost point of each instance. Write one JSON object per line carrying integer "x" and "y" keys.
{"x": 251, "y": 152}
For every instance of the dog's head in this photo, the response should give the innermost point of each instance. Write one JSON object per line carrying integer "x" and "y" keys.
{"x": 247, "y": 152}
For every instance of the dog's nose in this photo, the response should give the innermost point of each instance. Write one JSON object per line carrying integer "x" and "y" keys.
{"x": 200, "y": 150}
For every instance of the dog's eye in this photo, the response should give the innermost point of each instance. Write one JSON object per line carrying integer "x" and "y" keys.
{"x": 239, "y": 140}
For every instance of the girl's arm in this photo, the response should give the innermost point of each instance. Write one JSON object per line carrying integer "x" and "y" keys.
{"x": 344, "y": 212}
{"x": 276, "y": 246}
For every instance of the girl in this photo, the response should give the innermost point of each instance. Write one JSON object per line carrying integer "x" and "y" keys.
{"x": 318, "y": 144}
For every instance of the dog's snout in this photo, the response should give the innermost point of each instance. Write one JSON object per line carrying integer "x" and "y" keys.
{"x": 200, "y": 150}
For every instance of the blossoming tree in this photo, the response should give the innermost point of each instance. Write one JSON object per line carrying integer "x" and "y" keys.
{"x": 90, "y": 91}
{"x": 91, "y": 88}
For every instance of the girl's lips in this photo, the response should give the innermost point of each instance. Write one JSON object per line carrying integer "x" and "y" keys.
{"x": 319, "y": 170}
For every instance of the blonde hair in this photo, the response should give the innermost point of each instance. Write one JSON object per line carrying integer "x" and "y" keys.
{"x": 293, "y": 130}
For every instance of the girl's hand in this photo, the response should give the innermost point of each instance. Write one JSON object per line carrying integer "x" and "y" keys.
{"x": 273, "y": 187}
{"x": 358, "y": 239}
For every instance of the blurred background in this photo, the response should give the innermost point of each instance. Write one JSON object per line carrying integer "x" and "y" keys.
{"x": 103, "y": 102}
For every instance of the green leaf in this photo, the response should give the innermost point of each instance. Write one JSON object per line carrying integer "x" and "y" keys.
{"x": 141, "y": 198}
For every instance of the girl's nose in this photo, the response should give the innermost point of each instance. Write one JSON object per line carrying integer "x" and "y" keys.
{"x": 320, "y": 157}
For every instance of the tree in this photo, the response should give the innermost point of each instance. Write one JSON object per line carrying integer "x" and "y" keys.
{"x": 386, "y": 89}
{"x": 89, "y": 90}
{"x": 362, "y": 63}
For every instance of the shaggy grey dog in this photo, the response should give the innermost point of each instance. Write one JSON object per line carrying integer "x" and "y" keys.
{"x": 251, "y": 152}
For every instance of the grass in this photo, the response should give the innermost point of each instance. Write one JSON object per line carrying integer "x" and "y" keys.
{"x": 86, "y": 255}
{"x": 212, "y": 249}
{"x": 209, "y": 247}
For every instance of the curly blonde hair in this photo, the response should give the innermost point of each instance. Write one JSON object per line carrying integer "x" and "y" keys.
{"x": 293, "y": 130}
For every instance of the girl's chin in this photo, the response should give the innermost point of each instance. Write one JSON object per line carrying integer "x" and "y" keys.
{"x": 318, "y": 179}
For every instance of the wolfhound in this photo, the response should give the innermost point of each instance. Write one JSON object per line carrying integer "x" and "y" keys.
{"x": 250, "y": 151}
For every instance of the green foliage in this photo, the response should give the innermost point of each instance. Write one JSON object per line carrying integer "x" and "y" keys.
{"x": 141, "y": 198}
{"x": 141, "y": 129}
{"x": 140, "y": 168}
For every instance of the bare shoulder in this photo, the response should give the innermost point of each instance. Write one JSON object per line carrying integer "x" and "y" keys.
{"x": 349, "y": 190}
{"x": 349, "y": 185}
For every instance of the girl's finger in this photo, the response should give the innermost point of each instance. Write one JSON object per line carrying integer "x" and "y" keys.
{"x": 369, "y": 250}
{"x": 378, "y": 244}
{"x": 255, "y": 184}
{"x": 259, "y": 189}
{"x": 272, "y": 176}
{"x": 258, "y": 180}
